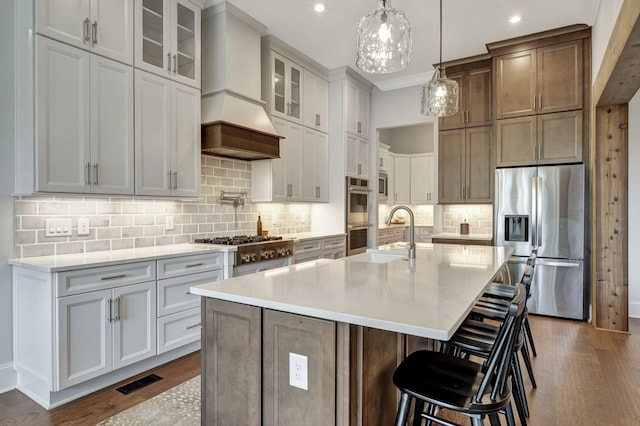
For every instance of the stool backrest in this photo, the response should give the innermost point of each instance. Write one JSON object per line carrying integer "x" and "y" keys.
{"x": 499, "y": 362}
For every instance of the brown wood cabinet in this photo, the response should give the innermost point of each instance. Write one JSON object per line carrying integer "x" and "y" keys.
{"x": 542, "y": 139}
{"x": 537, "y": 81}
{"x": 474, "y": 102}
{"x": 465, "y": 165}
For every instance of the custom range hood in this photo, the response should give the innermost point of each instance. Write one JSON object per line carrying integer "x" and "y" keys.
{"x": 234, "y": 121}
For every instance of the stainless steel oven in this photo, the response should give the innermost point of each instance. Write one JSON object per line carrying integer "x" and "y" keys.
{"x": 357, "y": 201}
{"x": 383, "y": 186}
{"x": 357, "y": 237}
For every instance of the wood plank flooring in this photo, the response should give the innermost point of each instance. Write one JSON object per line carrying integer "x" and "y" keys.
{"x": 585, "y": 377}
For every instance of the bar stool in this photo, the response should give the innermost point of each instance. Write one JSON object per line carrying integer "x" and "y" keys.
{"x": 477, "y": 390}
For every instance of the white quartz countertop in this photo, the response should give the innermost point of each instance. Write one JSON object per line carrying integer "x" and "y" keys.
{"x": 67, "y": 262}
{"x": 303, "y": 236}
{"x": 427, "y": 297}
{"x": 459, "y": 236}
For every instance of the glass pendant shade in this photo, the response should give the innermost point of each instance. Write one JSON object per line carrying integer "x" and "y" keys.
{"x": 384, "y": 40}
{"x": 440, "y": 95}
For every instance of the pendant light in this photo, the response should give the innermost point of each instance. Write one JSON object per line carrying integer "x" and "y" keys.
{"x": 384, "y": 40}
{"x": 440, "y": 94}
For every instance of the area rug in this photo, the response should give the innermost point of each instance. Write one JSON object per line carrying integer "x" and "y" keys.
{"x": 179, "y": 405}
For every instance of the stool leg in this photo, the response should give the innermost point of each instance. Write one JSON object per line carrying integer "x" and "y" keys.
{"x": 403, "y": 409}
{"x": 527, "y": 329}
{"x": 527, "y": 364}
{"x": 417, "y": 410}
{"x": 517, "y": 373}
{"x": 511, "y": 421}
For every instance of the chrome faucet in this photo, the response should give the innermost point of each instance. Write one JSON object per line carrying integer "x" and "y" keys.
{"x": 412, "y": 245}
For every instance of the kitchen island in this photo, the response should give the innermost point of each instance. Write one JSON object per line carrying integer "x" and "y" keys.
{"x": 317, "y": 342}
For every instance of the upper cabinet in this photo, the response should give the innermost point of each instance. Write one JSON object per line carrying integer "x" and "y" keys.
{"x": 384, "y": 158}
{"x": 167, "y": 39}
{"x": 103, "y": 27}
{"x": 315, "y": 98}
{"x": 475, "y": 101}
{"x": 286, "y": 90}
{"x": 357, "y": 109}
{"x": 412, "y": 180}
{"x": 537, "y": 81}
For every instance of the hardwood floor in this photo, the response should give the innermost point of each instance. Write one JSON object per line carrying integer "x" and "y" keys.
{"x": 585, "y": 377}
{"x": 17, "y": 409}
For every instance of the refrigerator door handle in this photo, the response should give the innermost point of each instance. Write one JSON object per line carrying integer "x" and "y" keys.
{"x": 558, "y": 263}
{"x": 539, "y": 211}
{"x": 534, "y": 210}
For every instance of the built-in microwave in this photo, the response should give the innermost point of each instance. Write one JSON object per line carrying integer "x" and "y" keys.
{"x": 383, "y": 186}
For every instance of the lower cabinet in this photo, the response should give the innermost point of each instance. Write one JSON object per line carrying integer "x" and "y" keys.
{"x": 104, "y": 330}
{"x": 391, "y": 235}
{"x": 305, "y": 250}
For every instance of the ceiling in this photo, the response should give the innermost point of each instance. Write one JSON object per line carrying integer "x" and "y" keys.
{"x": 330, "y": 37}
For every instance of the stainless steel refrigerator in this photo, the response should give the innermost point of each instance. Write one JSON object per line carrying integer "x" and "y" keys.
{"x": 543, "y": 207}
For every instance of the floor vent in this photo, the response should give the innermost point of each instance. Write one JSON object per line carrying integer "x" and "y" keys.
{"x": 138, "y": 384}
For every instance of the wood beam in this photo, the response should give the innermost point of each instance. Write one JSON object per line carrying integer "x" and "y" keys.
{"x": 618, "y": 78}
{"x": 611, "y": 293}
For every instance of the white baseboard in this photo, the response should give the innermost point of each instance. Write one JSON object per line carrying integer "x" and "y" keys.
{"x": 634, "y": 309}
{"x": 8, "y": 378}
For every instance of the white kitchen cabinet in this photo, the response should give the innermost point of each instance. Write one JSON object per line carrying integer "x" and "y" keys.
{"x": 315, "y": 102}
{"x": 329, "y": 247}
{"x": 84, "y": 110}
{"x": 402, "y": 179}
{"x": 315, "y": 166}
{"x": 167, "y": 130}
{"x": 286, "y": 88}
{"x": 357, "y": 109}
{"x": 100, "y": 331}
{"x": 334, "y": 247}
{"x": 167, "y": 39}
{"x": 357, "y": 156}
{"x": 103, "y": 27}
{"x": 422, "y": 179}
{"x": 383, "y": 158}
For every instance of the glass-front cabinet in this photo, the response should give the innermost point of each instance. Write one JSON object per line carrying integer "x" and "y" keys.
{"x": 168, "y": 39}
{"x": 287, "y": 86}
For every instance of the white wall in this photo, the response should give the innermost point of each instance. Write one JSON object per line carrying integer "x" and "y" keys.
{"x": 634, "y": 205}
{"x": 7, "y": 374}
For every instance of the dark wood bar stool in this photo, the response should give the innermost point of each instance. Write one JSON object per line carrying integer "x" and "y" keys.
{"x": 477, "y": 390}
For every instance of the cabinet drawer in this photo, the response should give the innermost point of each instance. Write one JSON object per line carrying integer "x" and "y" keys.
{"x": 307, "y": 246}
{"x": 307, "y": 257}
{"x": 178, "y": 329}
{"x": 91, "y": 279}
{"x": 334, "y": 254}
{"x": 173, "y": 293}
{"x": 333, "y": 243}
{"x": 186, "y": 265}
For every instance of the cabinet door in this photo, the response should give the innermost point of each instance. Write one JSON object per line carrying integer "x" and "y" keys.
{"x": 430, "y": 186}
{"x": 279, "y": 81}
{"x": 64, "y": 20}
{"x": 560, "y": 137}
{"x": 291, "y": 153}
{"x": 419, "y": 179}
{"x": 516, "y": 141}
{"x": 185, "y": 146}
{"x": 516, "y": 87}
{"x": 294, "y": 88}
{"x": 314, "y": 339}
{"x": 315, "y": 99}
{"x": 479, "y": 165}
{"x": 153, "y": 37}
{"x": 451, "y": 165}
{"x": 351, "y": 155}
{"x": 383, "y": 159}
{"x": 402, "y": 180}
{"x": 351, "y": 108}
{"x": 560, "y": 77}
{"x": 84, "y": 337}
{"x": 456, "y": 120}
{"x": 322, "y": 104}
{"x": 134, "y": 333}
{"x": 63, "y": 116}
{"x": 278, "y": 176}
{"x": 477, "y": 92}
{"x": 111, "y": 127}
{"x": 153, "y": 134}
{"x": 362, "y": 166}
{"x": 185, "y": 42}
{"x": 315, "y": 166}
{"x": 322, "y": 167}
{"x": 363, "y": 113}
{"x": 112, "y": 29}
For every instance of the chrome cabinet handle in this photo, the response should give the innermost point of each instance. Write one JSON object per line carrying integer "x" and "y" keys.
{"x": 95, "y": 174}
{"x": 175, "y": 63}
{"x": 540, "y": 101}
{"x": 175, "y": 180}
{"x": 540, "y": 152}
{"x": 359, "y": 127}
{"x": 86, "y": 29}
{"x": 169, "y": 174}
{"x": 117, "y": 315}
{"x": 317, "y": 192}
{"x": 169, "y": 61}
{"x": 535, "y": 102}
{"x": 535, "y": 152}
{"x": 88, "y": 180}
{"x": 113, "y": 277}
{"x": 193, "y": 265}
{"x": 359, "y": 169}
{"x": 94, "y": 32}
{"x": 109, "y": 311}
{"x": 189, "y": 327}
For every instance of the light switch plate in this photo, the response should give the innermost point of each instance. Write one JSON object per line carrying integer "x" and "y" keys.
{"x": 83, "y": 227}
{"x": 57, "y": 227}
{"x": 168, "y": 223}
{"x": 298, "y": 372}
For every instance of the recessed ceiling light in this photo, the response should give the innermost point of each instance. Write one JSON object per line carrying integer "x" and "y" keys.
{"x": 319, "y": 7}
{"x": 515, "y": 19}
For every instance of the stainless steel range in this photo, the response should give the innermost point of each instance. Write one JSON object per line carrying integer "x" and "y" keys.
{"x": 256, "y": 253}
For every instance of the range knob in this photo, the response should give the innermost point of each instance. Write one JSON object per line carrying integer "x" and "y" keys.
{"x": 264, "y": 254}
{"x": 253, "y": 257}
{"x": 272, "y": 253}
{"x": 246, "y": 258}
{"x": 282, "y": 252}
{"x": 288, "y": 251}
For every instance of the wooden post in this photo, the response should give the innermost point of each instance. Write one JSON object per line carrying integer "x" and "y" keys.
{"x": 611, "y": 295}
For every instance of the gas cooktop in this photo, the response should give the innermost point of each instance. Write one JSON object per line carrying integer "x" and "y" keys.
{"x": 237, "y": 240}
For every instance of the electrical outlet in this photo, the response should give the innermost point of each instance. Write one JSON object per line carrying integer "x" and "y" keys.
{"x": 298, "y": 373}
{"x": 83, "y": 227}
{"x": 57, "y": 227}
{"x": 168, "y": 223}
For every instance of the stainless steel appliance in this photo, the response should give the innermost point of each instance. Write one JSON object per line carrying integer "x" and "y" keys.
{"x": 543, "y": 207}
{"x": 383, "y": 186}
{"x": 256, "y": 253}
{"x": 357, "y": 215}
